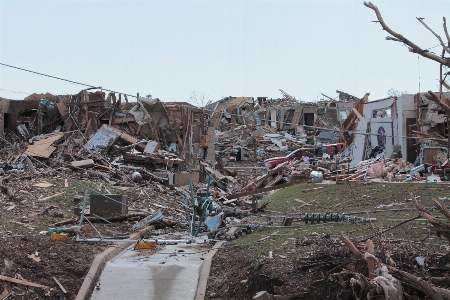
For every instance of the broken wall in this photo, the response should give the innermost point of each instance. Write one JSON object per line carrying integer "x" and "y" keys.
{"x": 376, "y": 125}
{"x": 16, "y": 112}
{"x": 406, "y": 116}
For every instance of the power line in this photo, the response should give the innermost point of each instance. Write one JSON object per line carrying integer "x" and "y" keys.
{"x": 203, "y": 109}
{"x": 67, "y": 80}
{"x": 14, "y": 92}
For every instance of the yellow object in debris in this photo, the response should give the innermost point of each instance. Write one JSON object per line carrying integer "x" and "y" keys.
{"x": 145, "y": 245}
{"x": 58, "y": 237}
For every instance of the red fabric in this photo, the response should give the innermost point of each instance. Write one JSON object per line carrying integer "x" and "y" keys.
{"x": 434, "y": 167}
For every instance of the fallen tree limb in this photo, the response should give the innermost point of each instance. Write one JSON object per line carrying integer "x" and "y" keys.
{"x": 351, "y": 246}
{"x": 418, "y": 283}
{"x": 442, "y": 209}
{"x": 441, "y": 228}
{"x": 370, "y": 260}
{"x": 439, "y": 280}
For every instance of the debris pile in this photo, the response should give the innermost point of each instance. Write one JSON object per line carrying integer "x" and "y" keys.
{"x": 173, "y": 166}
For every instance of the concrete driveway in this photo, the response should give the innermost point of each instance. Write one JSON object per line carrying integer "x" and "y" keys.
{"x": 172, "y": 272}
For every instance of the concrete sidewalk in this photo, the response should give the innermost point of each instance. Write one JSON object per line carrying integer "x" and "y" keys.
{"x": 171, "y": 272}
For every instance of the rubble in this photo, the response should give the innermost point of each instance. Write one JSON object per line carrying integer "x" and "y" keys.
{"x": 208, "y": 167}
{"x": 152, "y": 141}
{"x": 149, "y": 141}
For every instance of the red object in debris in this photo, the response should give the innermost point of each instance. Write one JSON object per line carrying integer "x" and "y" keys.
{"x": 232, "y": 158}
{"x": 434, "y": 167}
{"x": 275, "y": 161}
{"x": 330, "y": 149}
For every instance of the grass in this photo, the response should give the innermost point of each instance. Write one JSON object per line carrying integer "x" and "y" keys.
{"x": 342, "y": 198}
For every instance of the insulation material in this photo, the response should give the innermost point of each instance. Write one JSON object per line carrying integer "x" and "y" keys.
{"x": 376, "y": 170}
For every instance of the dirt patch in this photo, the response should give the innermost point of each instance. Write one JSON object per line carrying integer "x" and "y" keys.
{"x": 309, "y": 261}
{"x": 278, "y": 276}
{"x": 67, "y": 261}
{"x": 33, "y": 209}
{"x": 322, "y": 269}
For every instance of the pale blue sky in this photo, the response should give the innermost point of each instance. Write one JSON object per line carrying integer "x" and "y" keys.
{"x": 217, "y": 48}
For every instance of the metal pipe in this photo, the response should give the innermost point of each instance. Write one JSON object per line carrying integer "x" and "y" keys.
{"x": 417, "y": 169}
{"x": 82, "y": 211}
{"x": 192, "y": 224}
{"x": 202, "y": 216}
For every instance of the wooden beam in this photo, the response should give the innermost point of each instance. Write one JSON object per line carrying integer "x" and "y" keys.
{"x": 360, "y": 117}
{"x": 18, "y": 281}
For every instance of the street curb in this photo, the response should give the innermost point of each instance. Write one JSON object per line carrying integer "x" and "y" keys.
{"x": 206, "y": 267}
{"x": 98, "y": 264}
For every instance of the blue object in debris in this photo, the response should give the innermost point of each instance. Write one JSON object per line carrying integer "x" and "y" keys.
{"x": 257, "y": 118}
{"x": 213, "y": 223}
{"x": 258, "y": 196}
{"x": 173, "y": 147}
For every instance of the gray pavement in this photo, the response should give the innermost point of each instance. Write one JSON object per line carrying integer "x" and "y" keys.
{"x": 172, "y": 272}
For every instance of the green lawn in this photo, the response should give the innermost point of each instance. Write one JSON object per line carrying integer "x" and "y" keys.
{"x": 342, "y": 198}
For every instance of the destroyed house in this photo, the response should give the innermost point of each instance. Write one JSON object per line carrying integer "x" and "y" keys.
{"x": 284, "y": 114}
{"x": 168, "y": 138}
{"x": 27, "y": 117}
{"x": 410, "y": 124}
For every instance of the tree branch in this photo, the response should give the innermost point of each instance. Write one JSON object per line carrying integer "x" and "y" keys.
{"x": 440, "y": 227}
{"x": 446, "y": 32}
{"x": 412, "y": 47}
{"x": 434, "y": 33}
{"x": 442, "y": 209}
{"x": 418, "y": 283}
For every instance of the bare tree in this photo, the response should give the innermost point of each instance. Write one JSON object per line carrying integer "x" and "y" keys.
{"x": 396, "y": 93}
{"x": 442, "y": 60}
{"x": 199, "y": 100}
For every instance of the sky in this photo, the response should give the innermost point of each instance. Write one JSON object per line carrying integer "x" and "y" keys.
{"x": 175, "y": 49}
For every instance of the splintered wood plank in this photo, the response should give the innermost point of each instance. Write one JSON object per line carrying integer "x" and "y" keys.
{"x": 360, "y": 117}
{"x": 23, "y": 282}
